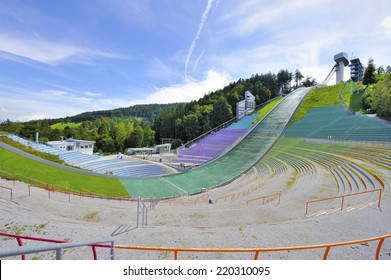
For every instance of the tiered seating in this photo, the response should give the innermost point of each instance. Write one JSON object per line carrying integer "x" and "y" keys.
{"x": 215, "y": 143}
{"x": 143, "y": 170}
{"x": 115, "y": 166}
{"x": 76, "y": 158}
{"x": 37, "y": 146}
{"x": 350, "y": 177}
{"x": 98, "y": 164}
{"x": 333, "y": 123}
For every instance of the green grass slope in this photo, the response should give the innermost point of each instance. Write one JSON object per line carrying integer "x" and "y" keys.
{"x": 14, "y": 166}
{"x": 318, "y": 97}
{"x": 266, "y": 109}
{"x": 61, "y": 125}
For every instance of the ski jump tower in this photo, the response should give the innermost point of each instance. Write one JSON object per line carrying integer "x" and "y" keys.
{"x": 341, "y": 61}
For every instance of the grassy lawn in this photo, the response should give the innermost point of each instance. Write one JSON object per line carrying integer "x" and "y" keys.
{"x": 353, "y": 101}
{"x": 266, "y": 109}
{"x": 61, "y": 126}
{"x": 14, "y": 166}
{"x": 318, "y": 97}
{"x": 29, "y": 150}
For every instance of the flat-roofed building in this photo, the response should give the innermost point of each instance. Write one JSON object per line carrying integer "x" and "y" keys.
{"x": 245, "y": 106}
{"x": 82, "y": 146}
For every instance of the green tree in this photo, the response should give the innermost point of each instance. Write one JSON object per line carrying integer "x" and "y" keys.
{"x": 137, "y": 137}
{"x": 298, "y": 77}
{"x": 221, "y": 112}
{"x": 69, "y": 132}
{"x": 309, "y": 82}
{"x": 284, "y": 78}
{"x": 120, "y": 136}
{"x": 176, "y": 143}
{"x": 106, "y": 144}
{"x": 191, "y": 126}
{"x": 179, "y": 129}
{"x": 381, "y": 98}
{"x": 149, "y": 135}
{"x": 129, "y": 131}
{"x": 369, "y": 73}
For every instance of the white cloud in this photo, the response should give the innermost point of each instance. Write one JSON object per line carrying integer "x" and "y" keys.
{"x": 191, "y": 89}
{"x": 24, "y": 104}
{"x": 386, "y": 24}
{"x": 93, "y": 94}
{"x": 249, "y": 16}
{"x": 200, "y": 27}
{"x": 47, "y": 52}
{"x": 159, "y": 69}
{"x": 133, "y": 11}
{"x": 55, "y": 93}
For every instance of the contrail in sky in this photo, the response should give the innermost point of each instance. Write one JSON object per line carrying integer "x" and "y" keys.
{"x": 200, "y": 27}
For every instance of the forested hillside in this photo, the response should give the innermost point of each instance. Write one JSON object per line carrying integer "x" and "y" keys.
{"x": 145, "y": 125}
{"x": 147, "y": 112}
{"x": 197, "y": 117}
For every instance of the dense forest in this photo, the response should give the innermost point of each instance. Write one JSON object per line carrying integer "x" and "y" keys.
{"x": 110, "y": 134}
{"x": 145, "y": 125}
{"x": 377, "y": 96}
{"x": 197, "y": 117}
{"x": 147, "y": 112}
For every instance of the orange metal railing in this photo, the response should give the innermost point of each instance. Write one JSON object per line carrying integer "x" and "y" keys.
{"x": 380, "y": 180}
{"x": 342, "y": 197}
{"x": 263, "y": 198}
{"x": 257, "y": 251}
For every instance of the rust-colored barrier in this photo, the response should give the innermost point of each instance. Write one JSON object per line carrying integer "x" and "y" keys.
{"x": 342, "y": 197}
{"x": 9, "y": 189}
{"x": 379, "y": 180}
{"x": 256, "y": 251}
{"x": 263, "y": 198}
{"x": 20, "y": 238}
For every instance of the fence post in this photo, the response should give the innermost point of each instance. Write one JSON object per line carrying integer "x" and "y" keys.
{"x": 94, "y": 252}
{"x": 343, "y": 201}
{"x": 138, "y": 211}
{"x": 326, "y": 253}
{"x": 378, "y": 248}
{"x": 112, "y": 250}
{"x": 59, "y": 253}
{"x": 20, "y": 243}
{"x": 279, "y": 198}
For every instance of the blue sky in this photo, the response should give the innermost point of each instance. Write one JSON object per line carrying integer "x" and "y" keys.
{"x": 61, "y": 58}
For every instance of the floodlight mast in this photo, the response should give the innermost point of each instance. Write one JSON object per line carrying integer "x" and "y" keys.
{"x": 341, "y": 61}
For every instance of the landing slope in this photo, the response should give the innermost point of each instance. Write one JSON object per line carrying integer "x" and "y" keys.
{"x": 228, "y": 166}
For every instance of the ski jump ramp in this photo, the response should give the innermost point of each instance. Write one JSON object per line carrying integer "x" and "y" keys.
{"x": 227, "y": 167}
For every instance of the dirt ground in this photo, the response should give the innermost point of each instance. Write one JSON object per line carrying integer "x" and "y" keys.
{"x": 238, "y": 218}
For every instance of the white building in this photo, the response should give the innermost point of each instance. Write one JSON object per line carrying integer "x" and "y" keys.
{"x": 83, "y": 146}
{"x": 245, "y": 106}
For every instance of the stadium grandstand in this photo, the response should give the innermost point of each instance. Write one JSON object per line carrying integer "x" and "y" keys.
{"x": 115, "y": 165}
{"x": 323, "y": 181}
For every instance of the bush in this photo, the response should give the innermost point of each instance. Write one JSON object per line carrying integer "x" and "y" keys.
{"x": 176, "y": 143}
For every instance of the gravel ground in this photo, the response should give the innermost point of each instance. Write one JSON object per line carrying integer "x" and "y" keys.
{"x": 230, "y": 222}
